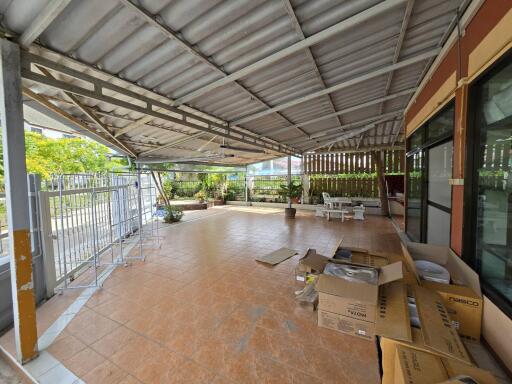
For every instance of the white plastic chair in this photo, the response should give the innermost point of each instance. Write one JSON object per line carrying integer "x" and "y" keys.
{"x": 327, "y": 200}
{"x": 359, "y": 212}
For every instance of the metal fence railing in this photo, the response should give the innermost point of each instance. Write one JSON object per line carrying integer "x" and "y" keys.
{"x": 83, "y": 216}
{"x": 268, "y": 188}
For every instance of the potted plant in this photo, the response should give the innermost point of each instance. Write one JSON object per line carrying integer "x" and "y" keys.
{"x": 173, "y": 214}
{"x": 291, "y": 191}
{"x": 201, "y": 196}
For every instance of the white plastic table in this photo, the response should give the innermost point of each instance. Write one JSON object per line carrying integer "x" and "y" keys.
{"x": 342, "y": 211}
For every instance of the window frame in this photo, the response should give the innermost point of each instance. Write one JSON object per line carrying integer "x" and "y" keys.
{"x": 470, "y": 211}
{"x": 424, "y": 147}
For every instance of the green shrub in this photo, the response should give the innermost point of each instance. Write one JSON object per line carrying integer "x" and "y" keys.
{"x": 201, "y": 196}
{"x": 173, "y": 214}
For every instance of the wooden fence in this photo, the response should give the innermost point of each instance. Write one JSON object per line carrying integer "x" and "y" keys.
{"x": 349, "y": 174}
{"x": 352, "y": 163}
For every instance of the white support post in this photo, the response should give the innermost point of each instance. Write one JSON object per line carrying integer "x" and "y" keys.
{"x": 45, "y": 219}
{"x": 16, "y": 196}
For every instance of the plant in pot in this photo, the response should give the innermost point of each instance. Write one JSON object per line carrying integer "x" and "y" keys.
{"x": 173, "y": 214}
{"x": 292, "y": 192}
{"x": 201, "y": 196}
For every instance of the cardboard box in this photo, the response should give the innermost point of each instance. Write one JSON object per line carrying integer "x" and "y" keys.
{"x": 417, "y": 367}
{"x": 462, "y": 298}
{"x": 436, "y": 336}
{"x": 364, "y": 257}
{"x": 350, "y": 326}
{"x": 464, "y": 308}
{"x": 312, "y": 262}
{"x": 353, "y": 302}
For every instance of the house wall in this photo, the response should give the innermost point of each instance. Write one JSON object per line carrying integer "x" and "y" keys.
{"x": 484, "y": 40}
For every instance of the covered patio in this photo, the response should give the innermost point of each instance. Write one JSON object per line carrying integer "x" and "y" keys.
{"x": 375, "y": 110}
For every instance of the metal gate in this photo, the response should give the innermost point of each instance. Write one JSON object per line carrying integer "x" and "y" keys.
{"x": 87, "y": 219}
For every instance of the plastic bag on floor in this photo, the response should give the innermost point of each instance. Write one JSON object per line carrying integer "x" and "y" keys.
{"x": 308, "y": 294}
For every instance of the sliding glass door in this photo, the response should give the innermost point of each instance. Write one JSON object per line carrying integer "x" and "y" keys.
{"x": 414, "y": 195}
{"x": 488, "y": 244}
{"x": 429, "y": 168}
{"x": 439, "y": 199}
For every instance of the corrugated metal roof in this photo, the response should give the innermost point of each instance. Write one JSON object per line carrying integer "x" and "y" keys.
{"x": 165, "y": 50}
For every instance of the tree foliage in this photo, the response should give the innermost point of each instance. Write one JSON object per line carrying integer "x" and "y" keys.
{"x": 46, "y": 156}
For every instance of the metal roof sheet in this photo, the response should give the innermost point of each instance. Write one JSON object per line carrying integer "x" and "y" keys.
{"x": 283, "y": 56}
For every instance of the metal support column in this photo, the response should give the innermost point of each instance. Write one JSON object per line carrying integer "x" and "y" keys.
{"x": 16, "y": 196}
{"x": 289, "y": 180}
{"x": 246, "y": 187}
{"x": 381, "y": 182}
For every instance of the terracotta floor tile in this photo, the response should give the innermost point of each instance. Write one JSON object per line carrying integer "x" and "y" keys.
{"x": 100, "y": 297}
{"x": 186, "y": 338}
{"x": 188, "y": 371}
{"x": 89, "y": 326}
{"x": 134, "y": 354}
{"x": 120, "y": 309}
{"x": 83, "y": 362}
{"x": 65, "y": 346}
{"x": 105, "y": 373}
{"x": 221, "y": 380}
{"x": 113, "y": 342}
{"x": 158, "y": 368}
{"x": 129, "y": 380}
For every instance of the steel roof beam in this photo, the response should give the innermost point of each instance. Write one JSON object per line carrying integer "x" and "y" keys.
{"x": 53, "y": 9}
{"x": 344, "y": 111}
{"x": 345, "y": 84}
{"x": 90, "y": 114}
{"x": 172, "y": 144}
{"x": 335, "y": 130}
{"x": 346, "y": 136}
{"x": 98, "y": 94}
{"x": 43, "y": 101}
{"x": 395, "y": 137}
{"x": 172, "y": 35}
{"x": 344, "y": 25}
{"x": 398, "y": 48}
{"x": 361, "y": 149}
{"x": 136, "y": 124}
{"x": 100, "y": 85}
{"x": 309, "y": 54}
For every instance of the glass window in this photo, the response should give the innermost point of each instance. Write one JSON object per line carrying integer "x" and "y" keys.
{"x": 493, "y": 161}
{"x": 438, "y": 226}
{"x": 442, "y": 124}
{"x": 439, "y": 173}
{"x": 416, "y": 139}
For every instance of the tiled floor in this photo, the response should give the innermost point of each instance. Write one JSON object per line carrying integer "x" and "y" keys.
{"x": 201, "y": 310}
{"x": 7, "y": 374}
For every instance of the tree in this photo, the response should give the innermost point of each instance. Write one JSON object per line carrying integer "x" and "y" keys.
{"x": 46, "y": 156}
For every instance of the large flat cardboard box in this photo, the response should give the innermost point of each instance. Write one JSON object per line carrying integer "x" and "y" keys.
{"x": 462, "y": 298}
{"x": 436, "y": 336}
{"x": 412, "y": 366}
